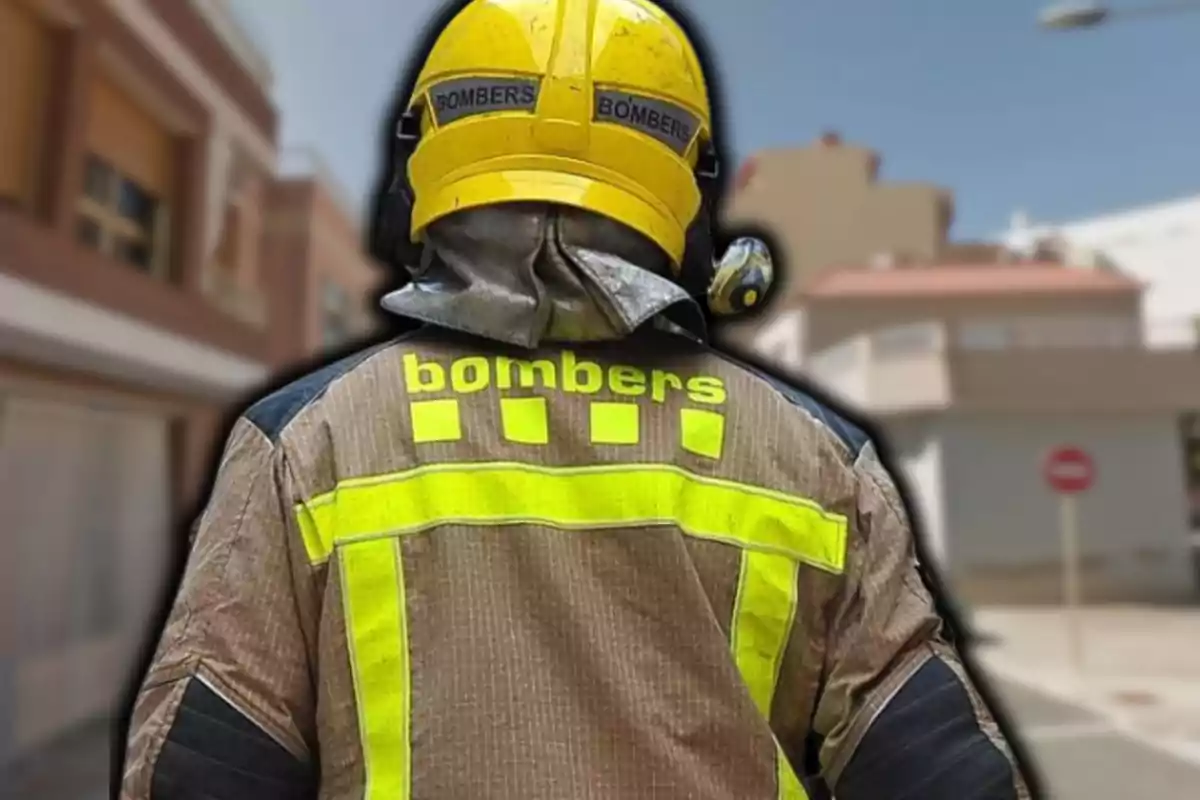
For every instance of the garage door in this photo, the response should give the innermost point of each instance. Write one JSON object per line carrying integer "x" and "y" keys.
{"x": 85, "y": 494}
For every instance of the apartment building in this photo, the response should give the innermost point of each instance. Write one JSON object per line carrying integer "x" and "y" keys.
{"x": 153, "y": 275}
{"x": 1157, "y": 244}
{"x": 975, "y": 363}
{"x": 830, "y": 206}
{"x": 315, "y": 244}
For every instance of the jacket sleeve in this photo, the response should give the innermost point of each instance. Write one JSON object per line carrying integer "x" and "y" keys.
{"x": 226, "y": 710}
{"x": 898, "y": 714}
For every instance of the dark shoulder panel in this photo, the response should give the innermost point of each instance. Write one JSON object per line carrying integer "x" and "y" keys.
{"x": 212, "y": 750}
{"x": 851, "y": 435}
{"x": 272, "y": 414}
{"x": 928, "y": 742}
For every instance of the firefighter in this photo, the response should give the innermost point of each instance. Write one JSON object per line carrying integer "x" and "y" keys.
{"x": 551, "y": 544}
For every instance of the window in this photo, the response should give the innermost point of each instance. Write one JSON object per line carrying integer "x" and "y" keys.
{"x": 229, "y": 246}
{"x": 129, "y": 174}
{"x": 121, "y": 219}
{"x": 97, "y": 178}
{"x": 88, "y": 232}
{"x": 983, "y": 336}
{"x": 911, "y": 339}
{"x": 335, "y": 315}
{"x": 26, "y": 68}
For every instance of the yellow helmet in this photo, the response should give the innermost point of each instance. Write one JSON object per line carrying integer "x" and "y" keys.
{"x": 597, "y": 104}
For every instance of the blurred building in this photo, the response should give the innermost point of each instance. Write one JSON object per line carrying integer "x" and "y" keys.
{"x": 829, "y": 204}
{"x": 1158, "y": 245}
{"x": 153, "y": 273}
{"x": 314, "y": 241}
{"x": 976, "y": 363}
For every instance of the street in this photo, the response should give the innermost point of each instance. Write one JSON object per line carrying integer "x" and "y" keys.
{"x": 1082, "y": 757}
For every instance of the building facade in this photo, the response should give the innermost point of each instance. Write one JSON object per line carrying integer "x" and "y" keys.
{"x": 154, "y": 274}
{"x": 976, "y": 363}
{"x": 828, "y": 206}
{"x": 315, "y": 245}
{"x": 1157, "y": 245}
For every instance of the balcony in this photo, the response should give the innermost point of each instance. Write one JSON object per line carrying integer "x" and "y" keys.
{"x": 1069, "y": 365}
{"x": 894, "y": 370}
{"x": 67, "y": 306}
{"x": 35, "y": 252}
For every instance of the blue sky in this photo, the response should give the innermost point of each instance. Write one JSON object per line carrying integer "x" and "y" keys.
{"x": 969, "y": 94}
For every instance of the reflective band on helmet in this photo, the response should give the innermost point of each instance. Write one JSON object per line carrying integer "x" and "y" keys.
{"x": 601, "y": 496}
{"x": 372, "y": 581}
{"x": 669, "y": 123}
{"x": 456, "y": 99}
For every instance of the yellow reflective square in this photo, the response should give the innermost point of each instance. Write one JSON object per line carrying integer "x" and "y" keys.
{"x": 614, "y": 423}
{"x": 702, "y": 432}
{"x": 435, "y": 421}
{"x": 524, "y": 420}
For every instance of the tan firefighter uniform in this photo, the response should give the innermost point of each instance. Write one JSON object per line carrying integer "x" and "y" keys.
{"x": 567, "y": 550}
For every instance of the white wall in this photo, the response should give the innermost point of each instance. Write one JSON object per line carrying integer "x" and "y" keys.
{"x": 102, "y": 536}
{"x": 999, "y": 513}
{"x": 919, "y": 457}
{"x": 782, "y": 341}
{"x": 1158, "y": 245}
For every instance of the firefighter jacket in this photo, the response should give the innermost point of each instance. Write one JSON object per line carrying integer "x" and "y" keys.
{"x": 451, "y": 568}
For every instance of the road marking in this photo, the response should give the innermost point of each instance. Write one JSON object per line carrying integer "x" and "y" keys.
{"x": 1065, "y": 730}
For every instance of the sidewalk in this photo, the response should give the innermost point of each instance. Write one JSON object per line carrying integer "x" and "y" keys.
{"x": 74, "y": 767}
{"x": 1140, "y": 671}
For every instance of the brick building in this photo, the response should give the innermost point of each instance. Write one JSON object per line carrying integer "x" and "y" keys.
{"x": 154, "y": 272}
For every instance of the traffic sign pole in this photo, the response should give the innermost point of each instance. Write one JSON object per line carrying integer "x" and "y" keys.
{"x": 1072, "y": 590}
{"x": 1069, "y": 471}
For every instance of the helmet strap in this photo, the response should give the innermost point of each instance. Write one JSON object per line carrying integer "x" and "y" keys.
{"x": 393, "y": 242}
{"x": 697, "y": 268}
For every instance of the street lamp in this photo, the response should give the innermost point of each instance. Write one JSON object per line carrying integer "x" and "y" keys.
{"x": 1073, "y": 16}
{"x": 1064, "y": 17}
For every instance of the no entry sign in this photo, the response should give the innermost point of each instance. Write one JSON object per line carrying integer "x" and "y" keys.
{"x": 1069, "y": 470}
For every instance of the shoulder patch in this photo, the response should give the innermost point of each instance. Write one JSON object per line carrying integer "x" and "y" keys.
{"x": 851, "y": 435}
{"x": 273, "y": 413}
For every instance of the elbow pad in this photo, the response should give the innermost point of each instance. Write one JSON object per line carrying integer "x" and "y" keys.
{"x": 927, "y": 744}
{"x": 213, "y": 751}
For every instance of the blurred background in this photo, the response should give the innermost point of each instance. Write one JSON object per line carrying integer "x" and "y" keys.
{"x": 990, "y": 216}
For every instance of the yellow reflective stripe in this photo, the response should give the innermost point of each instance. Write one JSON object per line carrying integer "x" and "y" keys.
{"x": 608, "y": 495}
{"x": 315, "y": 545}
{"x": 764, "y": 612}
{"x": 790, "y": 787}
{"x": 372, "y": 581}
